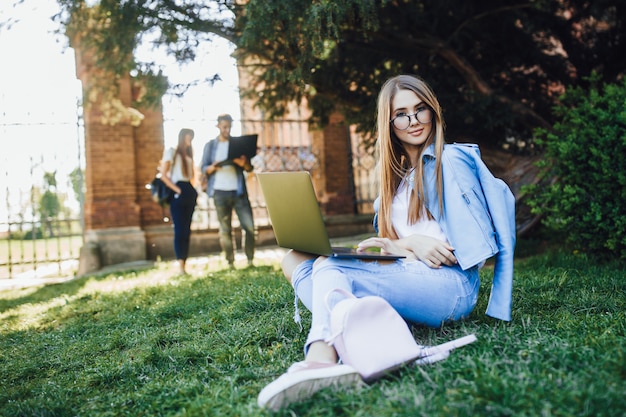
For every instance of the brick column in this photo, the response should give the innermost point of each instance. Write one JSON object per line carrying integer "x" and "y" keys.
{"x": 148, "y": 153}
{"x": 336, "y": 160}
{"x": 120, "y": 160}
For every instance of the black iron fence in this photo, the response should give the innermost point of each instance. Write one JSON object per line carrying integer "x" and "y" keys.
{"x": 32, "y": 247}
{"x": 287, "y": 145}
{"x": 35, "y": 249}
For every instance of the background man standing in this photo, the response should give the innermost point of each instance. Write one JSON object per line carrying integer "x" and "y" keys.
{"x": 227, "y": 187}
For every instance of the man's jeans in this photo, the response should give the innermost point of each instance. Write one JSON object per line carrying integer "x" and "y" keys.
{"x": 225, "y": 202}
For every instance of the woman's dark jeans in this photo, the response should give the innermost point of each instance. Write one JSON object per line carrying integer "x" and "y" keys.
{"x": 181, "y": 209}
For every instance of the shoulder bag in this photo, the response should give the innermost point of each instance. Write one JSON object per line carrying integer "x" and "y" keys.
{"x": 370, "y": 335}
{"x": 161, "y": 193}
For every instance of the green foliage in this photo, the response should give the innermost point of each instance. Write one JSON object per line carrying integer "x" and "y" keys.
{"x": 148, "y": 343}
{"x": 77, "y": 180}
{"x": 585, "y": 157}
{"x": 49, "y": 202}
{"x": 49, "y": 205}
{"x": 294, "y": 44}
{"x": 110, "y": 31}
{"x": 33, "y": 234}
{"x": 496, "y": 65}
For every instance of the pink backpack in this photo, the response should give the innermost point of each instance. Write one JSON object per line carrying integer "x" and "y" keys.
{"x": 370, "y": 335}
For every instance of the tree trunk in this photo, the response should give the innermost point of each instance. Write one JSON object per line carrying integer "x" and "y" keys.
{"x": 517, "y": 171}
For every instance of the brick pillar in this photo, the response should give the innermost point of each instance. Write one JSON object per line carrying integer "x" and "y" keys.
{"x": 336, "y": 160}
{"x": 120, "y": 160}
{"x": 148, "y": 154}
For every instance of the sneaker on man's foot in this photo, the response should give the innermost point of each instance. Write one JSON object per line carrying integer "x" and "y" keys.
{"x": 303, "y": 379}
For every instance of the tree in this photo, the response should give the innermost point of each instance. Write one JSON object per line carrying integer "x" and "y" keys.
{"x": 111, "y": 30}
{"x": 49, "y": 205}
{"x": 76, "y": 180}
{"x": 498, "y": 66}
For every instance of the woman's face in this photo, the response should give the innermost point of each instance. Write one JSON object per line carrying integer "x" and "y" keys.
{"x": 414, "y": 130}
{"x": 188, "y": 139}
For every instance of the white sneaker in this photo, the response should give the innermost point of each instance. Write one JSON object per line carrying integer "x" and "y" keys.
{"x": 302, "y": 380}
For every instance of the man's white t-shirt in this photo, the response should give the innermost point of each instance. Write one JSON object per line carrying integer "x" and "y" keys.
{"x": 226, "y": 176}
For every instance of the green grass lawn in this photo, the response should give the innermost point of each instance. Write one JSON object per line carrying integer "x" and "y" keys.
{"x": 150, "y": 343}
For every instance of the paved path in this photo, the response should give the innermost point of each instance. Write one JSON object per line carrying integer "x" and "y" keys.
{"x": 265, "y": 255}
{"x": 196, "y": 265}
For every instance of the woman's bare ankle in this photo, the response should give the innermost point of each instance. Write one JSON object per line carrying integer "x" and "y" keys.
{"x": 321, "y": 351}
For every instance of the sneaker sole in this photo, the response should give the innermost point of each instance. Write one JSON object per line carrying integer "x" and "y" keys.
{"x": 302, "y": 385}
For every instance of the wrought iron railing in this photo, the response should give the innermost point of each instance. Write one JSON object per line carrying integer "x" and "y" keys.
{"x": 30, "y": 247}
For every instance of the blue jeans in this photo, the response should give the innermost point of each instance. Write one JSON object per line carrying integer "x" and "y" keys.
{"x": 419, "y": 294}
{"x": 182, "y": 209}
{"x": 225, "y": 202}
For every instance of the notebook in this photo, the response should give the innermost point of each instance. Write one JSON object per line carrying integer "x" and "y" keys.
{"x": 240, "y": 145}
{"x": 297, "y": 219}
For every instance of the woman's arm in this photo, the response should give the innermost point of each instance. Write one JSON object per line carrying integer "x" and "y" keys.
{"x": 433, "y": 252}
{"x": 165, "y": 176}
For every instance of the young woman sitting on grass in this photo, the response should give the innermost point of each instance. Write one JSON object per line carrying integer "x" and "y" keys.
{"x": 441, "y": 208}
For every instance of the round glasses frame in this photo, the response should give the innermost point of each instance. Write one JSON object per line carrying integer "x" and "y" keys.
{"x": 403, "y": 122}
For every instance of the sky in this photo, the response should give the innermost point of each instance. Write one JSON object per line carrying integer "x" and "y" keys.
{"x": 39, "y": 98}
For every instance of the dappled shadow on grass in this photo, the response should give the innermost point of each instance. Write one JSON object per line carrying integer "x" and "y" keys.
{"x": 10, "y": 299}
{"x": 138, "y": 348}
{"x": 153, "y": 343}
{"x": 540, "y": 244}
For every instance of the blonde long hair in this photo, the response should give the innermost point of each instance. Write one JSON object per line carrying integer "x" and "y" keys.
{"x": 394, "y": 163}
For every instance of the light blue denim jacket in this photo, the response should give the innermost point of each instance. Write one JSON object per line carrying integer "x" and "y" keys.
{"x": 478, "y": 217}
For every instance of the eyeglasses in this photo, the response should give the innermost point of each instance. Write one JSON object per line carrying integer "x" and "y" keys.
{"x": 423, "y": 115}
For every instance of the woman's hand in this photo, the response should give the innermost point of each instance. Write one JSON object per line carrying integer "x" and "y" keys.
{"x": 433, "y": 252}
{"x": 386, "y": 246}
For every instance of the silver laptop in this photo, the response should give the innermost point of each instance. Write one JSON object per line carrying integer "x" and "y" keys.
{"x": 297, "y": 219}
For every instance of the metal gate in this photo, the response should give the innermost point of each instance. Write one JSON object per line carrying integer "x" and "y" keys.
{"x": 286, "y": 145}
{"x": 41, "y": 193}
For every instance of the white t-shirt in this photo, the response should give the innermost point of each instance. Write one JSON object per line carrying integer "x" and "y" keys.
{"x": 399, "y": 216}
{"x": 176, "y": 166}
{"x": 226, "y": 176}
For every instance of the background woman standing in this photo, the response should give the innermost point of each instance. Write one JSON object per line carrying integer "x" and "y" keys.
{"x": 178, "y": 174}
